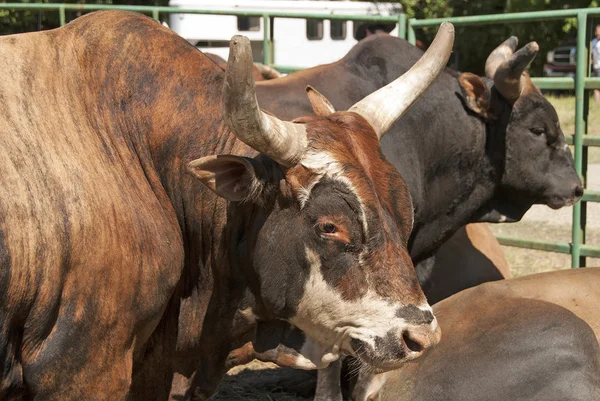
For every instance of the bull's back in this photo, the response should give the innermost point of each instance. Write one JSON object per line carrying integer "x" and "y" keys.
{"x": 577, "y": 290}
{"x": 511, "y": 349}
{"x": 89, "y": 254}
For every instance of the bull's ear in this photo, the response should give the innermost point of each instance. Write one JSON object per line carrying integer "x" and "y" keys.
{"x": 476, "y": 93}
{"x": 321, "y": 106}
{"x": 234, "y": 178}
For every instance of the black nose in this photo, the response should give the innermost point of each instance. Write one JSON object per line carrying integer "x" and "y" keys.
{"x": 578, "y": 190}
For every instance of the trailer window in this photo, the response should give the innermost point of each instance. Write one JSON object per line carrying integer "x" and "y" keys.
{"x": 314, "y": 29}
{"x": 338, "y": 30}
{"x": 248, "y": 24}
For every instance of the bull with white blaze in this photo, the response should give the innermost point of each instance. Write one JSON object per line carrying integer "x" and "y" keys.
{"x": 151, "y": 214}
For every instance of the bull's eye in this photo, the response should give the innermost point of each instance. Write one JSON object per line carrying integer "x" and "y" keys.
{"x": 537, "y": 131}
{"x": 327, "y": 228}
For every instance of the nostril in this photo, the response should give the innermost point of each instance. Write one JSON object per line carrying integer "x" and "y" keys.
{"x": 578, "y": 191}
{"x": 411, "y": 344}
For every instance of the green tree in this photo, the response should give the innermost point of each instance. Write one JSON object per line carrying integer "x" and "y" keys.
{"x": 474, "y": 43}
{"x": 19, "y": 21}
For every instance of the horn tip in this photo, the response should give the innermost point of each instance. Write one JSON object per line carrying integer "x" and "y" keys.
{"x": 533, "y": 47}
{"x": 447, "y": 26}
{"x": 512, "y": 42}
{"x": 238, "y": 40}
{"x": 309, "y": 88}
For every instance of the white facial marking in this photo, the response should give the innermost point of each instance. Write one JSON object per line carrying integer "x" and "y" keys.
{"x": 324, "y": 164}
{"x": 332, "y": 321}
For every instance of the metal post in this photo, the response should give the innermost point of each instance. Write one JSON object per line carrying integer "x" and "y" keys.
{"x": 61, "y": 16}
{"x": 579, "y": 124}
{"x": 155, "y": 14}
{"x": 267, "y": 59}
{"x": 402, "y": 26}
{"x": 412, "y": 38}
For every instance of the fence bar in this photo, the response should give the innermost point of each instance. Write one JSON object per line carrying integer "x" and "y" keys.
{"x": 590, "y": 251}
{"x": 402, "y": 26}
{"x": 591, "y": 196}
{"x": 547, "y": 246}
{"x": 550, "y": 246}
{"x": 177, "y": 10}
{"x": 592, "y": 83}
{"x": 61, "y": 16}
{"x": 412, "y": 37}
{"x": 577, "y": 139}
{"x": 266, "y": 40}
{"x": 155, "y": 14}
{"x": 504, "y": 18}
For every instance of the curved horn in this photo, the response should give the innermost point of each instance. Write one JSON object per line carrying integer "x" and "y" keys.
{"x": 282, "y": 141}
{"x": 500, "y": 53}
{"x": 383, "y": 107}
{"x": 509, "y": 78}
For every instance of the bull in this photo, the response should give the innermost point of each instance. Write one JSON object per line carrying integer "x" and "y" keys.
{"x": 473, "y": 149}
{"x": 536, "y": 340}
{"x": 151, "y": 214}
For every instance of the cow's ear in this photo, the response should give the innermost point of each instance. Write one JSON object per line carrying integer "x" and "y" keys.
{"x": 234, "y": 178}
{"x": 476, "y": 93}
{"x": 320, "y": 105}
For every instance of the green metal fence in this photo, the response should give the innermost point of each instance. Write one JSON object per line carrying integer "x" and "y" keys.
{"x": 578, "y": 249}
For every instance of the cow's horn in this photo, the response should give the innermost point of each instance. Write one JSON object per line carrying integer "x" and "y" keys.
{"x": 383, "y": 107}
{"x": 507, "y": 69}
{"x": 499, "y": 55}
{"x": 283, "y": 141}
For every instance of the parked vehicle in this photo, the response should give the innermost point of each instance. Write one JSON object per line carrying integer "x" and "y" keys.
{"x": 296, "y": 42}
{"x": 562, "y": 61}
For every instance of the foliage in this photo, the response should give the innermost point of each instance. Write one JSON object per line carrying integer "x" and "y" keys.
{"x": 19, "y": 21}
{"x": 474, "y": 43}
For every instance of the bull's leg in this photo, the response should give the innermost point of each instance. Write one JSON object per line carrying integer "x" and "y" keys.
{"x": 367, "y": 386}
{"x": 328, "y": 383}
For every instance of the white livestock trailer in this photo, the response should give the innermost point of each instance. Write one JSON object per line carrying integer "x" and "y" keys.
{"x": 296, "y": 42}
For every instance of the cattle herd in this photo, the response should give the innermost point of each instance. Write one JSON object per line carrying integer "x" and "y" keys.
{"x": 164, "y": 217}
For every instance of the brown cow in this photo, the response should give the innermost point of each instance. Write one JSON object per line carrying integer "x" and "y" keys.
{"x": 146, "y": 200}
{"x": 528, "y": 338}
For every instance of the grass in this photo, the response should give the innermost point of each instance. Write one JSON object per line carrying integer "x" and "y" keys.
{"x": 565, "y": 108}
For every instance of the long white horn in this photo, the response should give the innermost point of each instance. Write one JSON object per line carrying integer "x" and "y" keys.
{"x": 383, "y": 107}
{"x": 282, "y": 141}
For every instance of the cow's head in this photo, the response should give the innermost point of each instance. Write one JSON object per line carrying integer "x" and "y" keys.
{"x": 319, "y": 221}
{"x": 537, "y": 166}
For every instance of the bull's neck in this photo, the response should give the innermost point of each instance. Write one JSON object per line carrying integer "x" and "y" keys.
{"x": 455, "y": 178}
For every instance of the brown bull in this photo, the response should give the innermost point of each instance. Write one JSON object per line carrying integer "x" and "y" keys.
{"x": 151, "y": 214}
{"x": 532, "y": 338}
